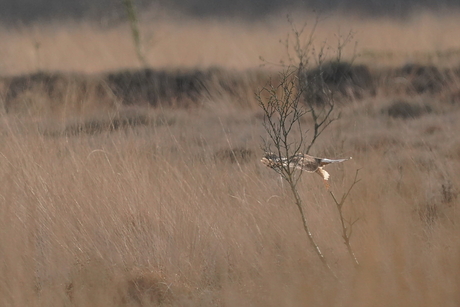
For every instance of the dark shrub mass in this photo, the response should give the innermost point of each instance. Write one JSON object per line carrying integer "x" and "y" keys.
{"x": 406, "y": 110}
{"x": 150, "y": 86}
{"x": 424, "y": 79}
{"x": 190, "y": 88}
{"x": 339, "y": 78}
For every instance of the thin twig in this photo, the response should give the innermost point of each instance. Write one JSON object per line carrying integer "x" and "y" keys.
{"x": 346, "y": 230}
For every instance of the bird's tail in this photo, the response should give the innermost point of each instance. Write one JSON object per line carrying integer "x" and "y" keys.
{"x": 329, "y": 161}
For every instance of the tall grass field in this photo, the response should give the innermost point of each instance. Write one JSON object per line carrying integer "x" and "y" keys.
{"x": 130, "y": 186}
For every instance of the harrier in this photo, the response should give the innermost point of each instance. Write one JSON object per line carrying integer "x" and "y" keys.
{"x": 300, "y": 161}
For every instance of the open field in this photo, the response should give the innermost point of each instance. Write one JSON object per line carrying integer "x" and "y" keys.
{"x": 181, "y": 42}
{"x": 114, "y": 197}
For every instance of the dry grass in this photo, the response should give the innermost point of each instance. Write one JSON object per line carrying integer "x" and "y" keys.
{"x": 182, "y": 42}
{"x": 165, "y": 214}
{"x": 104, "y": 204}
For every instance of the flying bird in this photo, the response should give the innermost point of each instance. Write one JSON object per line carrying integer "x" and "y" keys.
{"x": 302, "y": 162}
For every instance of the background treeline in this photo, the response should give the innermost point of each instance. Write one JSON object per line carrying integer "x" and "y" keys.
{"x": 25, "y": 11}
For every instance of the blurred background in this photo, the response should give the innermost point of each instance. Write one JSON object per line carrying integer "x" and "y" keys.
{"x": 130, "y": 153}
{"x": 26, "y": 11}
{"x": 97, "y": 36}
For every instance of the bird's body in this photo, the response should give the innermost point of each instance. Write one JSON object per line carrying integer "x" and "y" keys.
{"x": 300, "y": 161}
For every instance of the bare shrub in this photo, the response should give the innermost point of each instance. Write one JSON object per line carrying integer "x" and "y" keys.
{"x": 285, "y": 105}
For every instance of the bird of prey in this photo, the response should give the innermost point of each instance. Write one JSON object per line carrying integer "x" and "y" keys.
{"x": 301, "y": 161}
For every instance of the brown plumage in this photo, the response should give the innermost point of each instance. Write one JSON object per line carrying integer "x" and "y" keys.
{"x": 301, "y": 161}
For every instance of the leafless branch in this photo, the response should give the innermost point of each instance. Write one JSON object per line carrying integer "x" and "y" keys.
{"x": 284, "y": 106}
{"x": 347, "y": 227}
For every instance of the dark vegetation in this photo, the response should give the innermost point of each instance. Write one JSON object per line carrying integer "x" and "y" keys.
{"x": 134, "y": 87}
{"x": 26, "y": 11}
{"x": 406, "y": 110}
{"x": 161, "y": 88}
{"x": 344, "y": 79}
